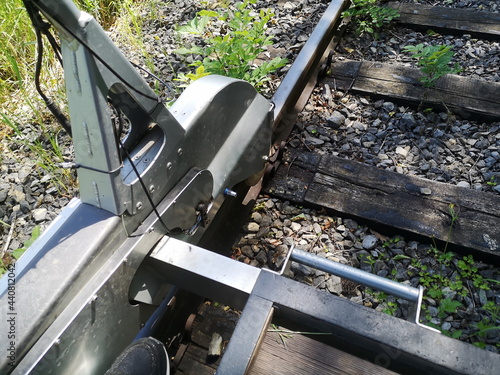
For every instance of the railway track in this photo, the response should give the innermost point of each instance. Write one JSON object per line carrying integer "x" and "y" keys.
{"x": 350, "y": 338}
{"x": 305, "y": 177}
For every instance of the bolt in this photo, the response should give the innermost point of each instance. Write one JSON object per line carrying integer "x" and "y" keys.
{"x": 179, "y": 152}
{"x": 152, "y": 189}
{"x": 230, "y": 193}
{"x": 138, "y": 206}
{"x": 169, "y": 166}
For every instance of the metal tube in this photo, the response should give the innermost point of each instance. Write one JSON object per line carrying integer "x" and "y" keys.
{"x": 373, "y": 281}
{"x": 300, "y": 72}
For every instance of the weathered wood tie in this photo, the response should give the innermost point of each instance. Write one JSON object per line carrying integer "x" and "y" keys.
{"x": 408, "y": 203}
{"x": 467, "y": 97}
{"x": 453, "y": 20}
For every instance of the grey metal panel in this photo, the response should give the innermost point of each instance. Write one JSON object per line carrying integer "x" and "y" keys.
{"x": 228, "y": 128}
{"x": 219, "y": 123}
{"x": 99, "y": 321}
{"x": 55, "y": 270}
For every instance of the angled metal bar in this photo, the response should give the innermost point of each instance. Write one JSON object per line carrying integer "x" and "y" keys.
{"x": 247, "y": 337}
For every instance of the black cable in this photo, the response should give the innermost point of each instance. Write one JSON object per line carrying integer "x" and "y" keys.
{"x": 148, "y": 196}
{"x": 56, "y": 111}
{"x": 44, "y": 28}
{"x": 55, "y": 47}
{"x": 33, "y": 15}
{"x": 155, "y": 77}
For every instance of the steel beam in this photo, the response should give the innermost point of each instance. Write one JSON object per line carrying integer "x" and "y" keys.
{"x": 247, "y": 337}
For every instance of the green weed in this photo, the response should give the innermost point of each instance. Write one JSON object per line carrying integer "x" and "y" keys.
{"x": 448, "y": 306}
{"x": 487, "y": 324}
{"x": 16, "y": 254}
{"x": 369, "y": 17}
{"x": 391, "y": 241}
{"x": 434, "y": 62}
{"x": 492, "y": 182}
{"x": 230, "y": 44}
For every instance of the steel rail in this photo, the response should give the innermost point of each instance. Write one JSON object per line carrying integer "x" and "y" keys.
{"x": 296, "y": 87}
{"x": 308, "y": 61}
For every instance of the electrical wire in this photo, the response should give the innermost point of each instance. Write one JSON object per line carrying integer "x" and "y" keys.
{"x": 40, "y": 26}
{"x": 172, "y": 91}
{"x": 169, "y": 231}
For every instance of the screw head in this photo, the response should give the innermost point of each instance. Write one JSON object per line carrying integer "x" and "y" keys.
{"x": 169, "y": 166}
{"x": 138, "y": 206}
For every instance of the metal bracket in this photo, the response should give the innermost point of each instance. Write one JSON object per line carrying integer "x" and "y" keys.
{"x": 262, "y": 292}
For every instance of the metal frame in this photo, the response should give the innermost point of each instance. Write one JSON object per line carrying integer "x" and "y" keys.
{"x": 387, "y": 341}
{"x": 163, "y": 144}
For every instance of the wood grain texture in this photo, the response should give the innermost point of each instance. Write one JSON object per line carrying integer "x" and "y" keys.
{"x": 467, "y": 97}
{"x": 461, "y": 21}
{"x": 298, "y": 354}
{"x": 408, "y": 203}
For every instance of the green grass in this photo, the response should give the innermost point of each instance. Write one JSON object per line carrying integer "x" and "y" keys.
{"x": 21, "y": 105}
{"x": 18, "y": 47}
